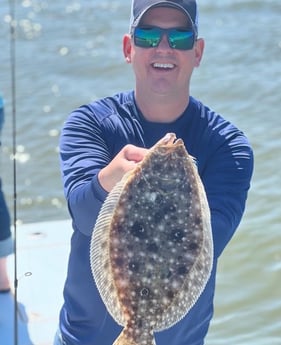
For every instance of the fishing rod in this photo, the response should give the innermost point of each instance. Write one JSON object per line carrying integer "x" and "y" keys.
{"x": 12, "y": 5}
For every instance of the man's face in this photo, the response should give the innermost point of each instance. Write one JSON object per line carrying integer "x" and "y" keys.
{"x": 163, "y": 70}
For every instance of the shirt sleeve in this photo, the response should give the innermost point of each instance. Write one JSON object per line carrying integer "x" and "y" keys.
{"x": 226, "y": 177}
{"x": 83, "y": 153}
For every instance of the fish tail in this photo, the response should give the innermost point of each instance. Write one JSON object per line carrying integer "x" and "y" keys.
{"x": 126, "y": 338}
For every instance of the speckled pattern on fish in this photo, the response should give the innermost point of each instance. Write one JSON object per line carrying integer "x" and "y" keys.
{"x": 151, "y": 249}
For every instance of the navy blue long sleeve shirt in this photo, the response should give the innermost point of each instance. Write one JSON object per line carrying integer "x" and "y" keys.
{"x": 90, "y": 138}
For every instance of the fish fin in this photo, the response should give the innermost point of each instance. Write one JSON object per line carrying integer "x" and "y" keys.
{"x": 100, "y": 253}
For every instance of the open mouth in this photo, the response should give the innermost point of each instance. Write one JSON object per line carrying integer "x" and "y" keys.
{"x": 163, "y": 66}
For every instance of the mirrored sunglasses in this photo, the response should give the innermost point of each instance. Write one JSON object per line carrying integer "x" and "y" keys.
{"x": 150, "y": 37}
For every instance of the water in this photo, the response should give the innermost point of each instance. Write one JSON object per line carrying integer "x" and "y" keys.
{"x": 69, "y": 52}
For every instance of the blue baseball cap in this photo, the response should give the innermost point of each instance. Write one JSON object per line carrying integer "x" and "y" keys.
{"x": 140, "y": 7}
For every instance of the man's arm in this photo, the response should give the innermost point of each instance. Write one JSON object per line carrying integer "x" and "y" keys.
{"x": 89, "y": 172}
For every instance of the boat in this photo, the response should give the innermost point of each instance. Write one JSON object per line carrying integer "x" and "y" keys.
{"x": 42, "y": 254}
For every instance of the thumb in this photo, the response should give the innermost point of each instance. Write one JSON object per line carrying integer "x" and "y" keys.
{"x": 134, "y": 153}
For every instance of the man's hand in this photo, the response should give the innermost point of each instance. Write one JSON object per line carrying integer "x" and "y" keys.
{"x": 124, "y": 161}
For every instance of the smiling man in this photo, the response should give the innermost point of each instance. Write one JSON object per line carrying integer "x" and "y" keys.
{"x": 104, "y": 139}
{"x": 163, "y": 72}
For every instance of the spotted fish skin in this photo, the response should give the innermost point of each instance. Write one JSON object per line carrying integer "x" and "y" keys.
{"x": 151, "y": 249}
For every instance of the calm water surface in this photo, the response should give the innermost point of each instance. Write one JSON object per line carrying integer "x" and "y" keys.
{"x": 69, "y": 52}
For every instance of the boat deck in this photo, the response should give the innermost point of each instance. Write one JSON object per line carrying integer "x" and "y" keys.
{"x": 42, "y": 252}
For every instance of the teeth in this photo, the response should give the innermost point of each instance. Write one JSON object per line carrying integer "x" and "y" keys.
{"x": 163, "y": 65}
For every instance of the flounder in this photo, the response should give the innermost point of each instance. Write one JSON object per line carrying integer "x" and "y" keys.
{"x": 151, "y": 249}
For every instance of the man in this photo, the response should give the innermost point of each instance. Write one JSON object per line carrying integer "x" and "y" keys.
{"x": 102, "y": 140}
{"x": 6, "y": 242}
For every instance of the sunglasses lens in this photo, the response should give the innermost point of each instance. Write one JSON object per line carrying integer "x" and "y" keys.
{"x": 147, "y": 37}
{"x": 181, "y": 39}
{"x": 150, "y": 37}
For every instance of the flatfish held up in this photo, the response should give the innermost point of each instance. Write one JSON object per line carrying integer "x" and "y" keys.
{"x": 151, "y": 249}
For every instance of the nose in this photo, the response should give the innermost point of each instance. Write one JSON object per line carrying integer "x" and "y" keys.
{"x": 164, "y": 43}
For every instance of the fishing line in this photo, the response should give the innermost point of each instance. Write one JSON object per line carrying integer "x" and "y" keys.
{"x": 12, "y": 5}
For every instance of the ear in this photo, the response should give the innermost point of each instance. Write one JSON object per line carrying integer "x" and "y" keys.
{"x": 199, "y": 49}
{"x": 127, "y": 47}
